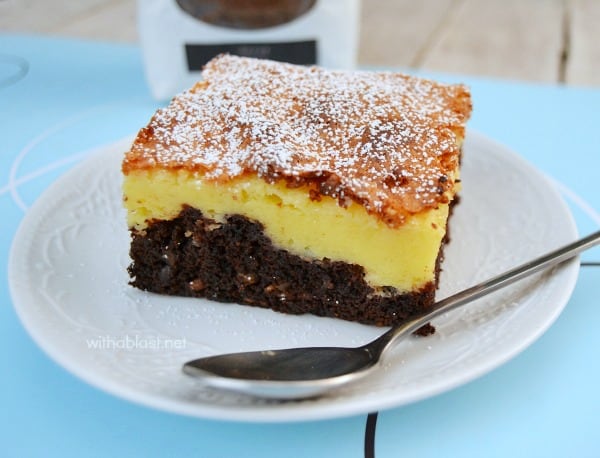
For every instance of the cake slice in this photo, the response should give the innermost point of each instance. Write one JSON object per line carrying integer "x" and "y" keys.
{"x": 298, "y": 189}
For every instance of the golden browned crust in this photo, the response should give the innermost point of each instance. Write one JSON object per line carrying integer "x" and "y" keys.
{"x": 388, "y": 141}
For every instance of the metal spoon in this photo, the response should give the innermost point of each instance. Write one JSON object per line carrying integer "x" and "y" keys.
{"x": 305, "y": 372}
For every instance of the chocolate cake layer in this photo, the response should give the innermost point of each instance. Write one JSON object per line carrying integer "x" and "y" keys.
{"x": 233, "y": 261}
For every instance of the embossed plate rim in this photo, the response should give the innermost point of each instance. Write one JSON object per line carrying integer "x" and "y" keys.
{"x": 376, "y": 393}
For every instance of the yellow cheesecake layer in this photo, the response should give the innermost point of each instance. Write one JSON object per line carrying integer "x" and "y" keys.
{"x": 403, "y": 257}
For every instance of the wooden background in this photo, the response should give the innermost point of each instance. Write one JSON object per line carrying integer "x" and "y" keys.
{"x": 556, "y": 41}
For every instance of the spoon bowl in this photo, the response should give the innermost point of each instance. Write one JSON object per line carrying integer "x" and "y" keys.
{"x": 311, "y": 371}
{"x": 283, "y": 374}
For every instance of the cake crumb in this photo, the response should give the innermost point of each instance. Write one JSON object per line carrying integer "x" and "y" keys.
{"x": 425, "y": 330}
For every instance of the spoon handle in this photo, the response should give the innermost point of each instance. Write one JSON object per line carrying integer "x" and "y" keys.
{"x": 481, "y": 289}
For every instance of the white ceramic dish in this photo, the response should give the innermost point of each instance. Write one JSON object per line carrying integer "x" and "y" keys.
{"x": 70, "y": 288}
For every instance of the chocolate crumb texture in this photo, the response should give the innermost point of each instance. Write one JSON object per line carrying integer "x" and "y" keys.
{"x": 235, "y": 261}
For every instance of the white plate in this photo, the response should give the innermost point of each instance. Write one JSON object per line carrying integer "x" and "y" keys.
{"x": 69, "y": 286}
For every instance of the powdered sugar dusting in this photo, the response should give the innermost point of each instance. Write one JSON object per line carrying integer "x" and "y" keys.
{"x": 385, "y": 140}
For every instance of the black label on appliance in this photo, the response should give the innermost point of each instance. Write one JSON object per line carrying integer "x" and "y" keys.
{"x": 297, "y": 52}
